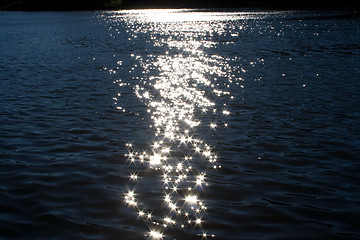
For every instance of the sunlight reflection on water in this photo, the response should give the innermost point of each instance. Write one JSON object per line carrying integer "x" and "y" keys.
{"x": 179, "y": 16}
{"x": 179, "y": 87}
{"x": 287, "y": 85}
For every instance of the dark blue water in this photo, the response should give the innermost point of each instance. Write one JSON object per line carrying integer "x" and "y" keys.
{"x": 98, "y": 109}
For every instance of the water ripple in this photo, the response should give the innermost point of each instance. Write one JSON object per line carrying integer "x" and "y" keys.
{"x": 96, "y": 105}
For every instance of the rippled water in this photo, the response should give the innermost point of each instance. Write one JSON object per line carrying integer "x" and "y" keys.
{"x": 179, "y": 124}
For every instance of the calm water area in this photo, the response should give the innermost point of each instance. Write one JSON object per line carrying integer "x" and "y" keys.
{"x": 180, "y": 124}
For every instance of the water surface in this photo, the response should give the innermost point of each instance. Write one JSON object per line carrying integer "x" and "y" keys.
{"x": 179, "y": 124}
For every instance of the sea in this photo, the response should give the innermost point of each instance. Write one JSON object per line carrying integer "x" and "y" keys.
{"x": 234, "y": 124}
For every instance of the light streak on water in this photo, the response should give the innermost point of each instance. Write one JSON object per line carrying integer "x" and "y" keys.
{"x": 180, "y": 86}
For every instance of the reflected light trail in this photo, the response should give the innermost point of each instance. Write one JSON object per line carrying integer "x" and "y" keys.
{"x": 180, "y": 86}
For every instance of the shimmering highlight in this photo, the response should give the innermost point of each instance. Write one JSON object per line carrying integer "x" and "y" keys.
{"x": 179, "y": 87}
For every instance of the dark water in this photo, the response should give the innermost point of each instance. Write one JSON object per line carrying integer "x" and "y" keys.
{"x": 265, "y": 106}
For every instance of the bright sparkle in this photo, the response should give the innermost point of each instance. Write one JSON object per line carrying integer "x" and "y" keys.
{"x": 155, "y": 159}
{"x": 180, "y": 89}
{"x": 156, "y": 234}
{"x": 133, "y": 177}
{"x": 200, "y": 179}
{"x": 192, "y": 199}
{"x": 213, "y": 125}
